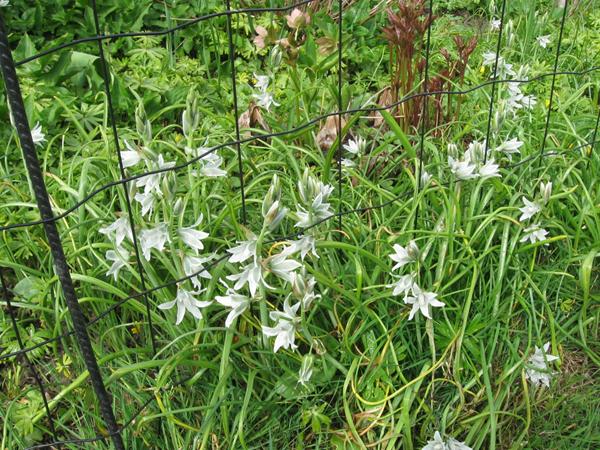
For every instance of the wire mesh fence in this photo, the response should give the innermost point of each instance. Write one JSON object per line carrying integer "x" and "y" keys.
{"x": 49, "y": 217}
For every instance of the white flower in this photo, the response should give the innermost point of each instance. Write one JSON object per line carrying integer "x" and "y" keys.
{"x": 510, "y": 147}
{"x": 403, "y": 256}
{"x": 193, "y": 238}
{"x": 304, "y": 245}
{"x": 453, "y": 444}
{"x": 146, "y": 200}
{"x": 528, "y": 101}
{"x": 153, "y": 238}
{"x": 121, "y": 230}
{"x": 275, "y": 214}
{"x": 314, "y": 195}
{"x": 404, "y": 285}
{"x": 285, "y": 326}
{"x": 534, "y": 234}
{"x": 36, "y": 133}
{"x": 489, "y": 169}
{"x": 211, "y": 165}
{"x": 422, "y": 301}
{"x": 504, "y": 69}
{"x": 243, "y": 251}
{"x": 318, "y": 211}
{"x": 495, "y": 24}
{"x": 151, "y": 183}
{"x": 529, "y": 210}
{"x": 546, "y": 190}
{"x": 194, "y": 267}
{"x": 186, "y": 301}
{"x": 436, "y": 444}
{"x": 262, "y": 82}
{"x": 265, "y": 100}
{"x": 425, "y": 177}
{"x": 281, "y": 266}
{"x": 489, "y": 58}
{"x": 355, "y": 146}
{"x": 303, "y": 288}
{"x": 130, "y": 157}
{"x": 463, "y": 170}
{"x": 237, "y": 302}
{"x": 119, "y": 258}
{"x": 306, "y": 370}
{"x": 4, "y": 3}
{"x": 251, "y": 274}
{"x": 543, "y": 41}
{"x": 475, "y": 152}
{"x": 538, "y": 371}
{"x": 348, "y": 163}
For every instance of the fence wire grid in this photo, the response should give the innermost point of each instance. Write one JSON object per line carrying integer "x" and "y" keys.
{"x": 48, "y": 219}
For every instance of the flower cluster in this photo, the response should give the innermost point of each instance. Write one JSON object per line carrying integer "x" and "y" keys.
{"x": 421, "y": 300}
{"x": 259, "y": 274}
{"x": 535, "y": 233}
{"x": 471, "y": 165}
{"x": 511, "y": 98}
{"x": 313, "y": 206}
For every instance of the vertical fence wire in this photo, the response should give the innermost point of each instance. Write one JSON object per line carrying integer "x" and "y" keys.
{"x": 236, "y": 111}
{"x": 113, "y": 124}
{"x": 424, "y": 113}
{"x": 552, "y": 85}
{"x": 494, "y": 85}
{"x": 28, "y": 363}
{"x": 17, "y": 107}
{"x": 340, "y": 108}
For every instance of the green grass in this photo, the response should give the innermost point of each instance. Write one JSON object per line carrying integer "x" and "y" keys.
{"x": 379, "y": 380}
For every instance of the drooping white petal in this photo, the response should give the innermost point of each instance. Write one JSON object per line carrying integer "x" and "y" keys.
{"x": 193, "y": 238}
{"x": 529, "y": 210}
{"x": 153, "y": 238}
{"x": 118, "y": 231}
{"x": 186, "y": 302}
{"x": 243, "y": 251}
{"x": 119, "y": 258}
{"x": 37, "y": 135}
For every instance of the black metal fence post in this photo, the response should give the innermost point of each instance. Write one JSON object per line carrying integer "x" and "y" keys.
{"x": 17, "y": 107}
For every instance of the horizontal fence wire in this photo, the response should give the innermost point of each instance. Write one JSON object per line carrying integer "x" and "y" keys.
{"x": 49, "y": 219}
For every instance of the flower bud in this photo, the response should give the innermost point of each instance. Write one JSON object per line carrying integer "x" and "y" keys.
{"x": 190, "y": 117}
{"x": 273, "y": 195}
{"x": 413, "y": 251}
{"x": 142, "y": 124}
{"x": 306, "y": 370}
{"x": 453, "y": 151}
{"x": 178, "y": 208}
{"x": 275, "y": 57}
{"x": 546, "y": 190}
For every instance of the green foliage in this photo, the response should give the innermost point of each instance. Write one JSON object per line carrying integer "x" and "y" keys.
{"x": 378, "y": 378}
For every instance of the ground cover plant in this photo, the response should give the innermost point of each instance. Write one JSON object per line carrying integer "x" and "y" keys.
{"x": 420, "y": 273}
